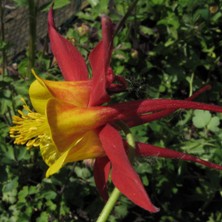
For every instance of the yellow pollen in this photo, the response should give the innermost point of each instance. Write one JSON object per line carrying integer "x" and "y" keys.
{"x": 29, "y": 128}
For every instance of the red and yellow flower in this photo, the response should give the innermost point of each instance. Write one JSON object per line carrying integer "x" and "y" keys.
{"x": 71, "y": 122}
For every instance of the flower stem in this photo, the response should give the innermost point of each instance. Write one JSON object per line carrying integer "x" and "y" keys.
{"x": 122, "y": 21}
{"x": 129, "y": 138}
{"x": 32, "y": 33}
{"x": 116, "y": 193}
{"x": 191, "y": 84}
{"x": 2, "y": 38}
{"x": 109, "y": 205}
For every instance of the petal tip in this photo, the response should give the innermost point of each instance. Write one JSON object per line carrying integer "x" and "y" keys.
{"x": 50, "y": 17}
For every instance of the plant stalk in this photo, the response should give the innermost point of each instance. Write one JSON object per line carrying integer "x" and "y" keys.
{"x": 109, "y": 206}
{"x": 4, "y": 57}
{"x": 122, "y": 21}
{"x": 32, "y": 34}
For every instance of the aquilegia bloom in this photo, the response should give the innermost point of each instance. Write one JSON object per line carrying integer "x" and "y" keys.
{"x": 71, "y": 122}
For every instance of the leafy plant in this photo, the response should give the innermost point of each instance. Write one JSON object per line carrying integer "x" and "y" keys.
{"x": 164, "y": 49}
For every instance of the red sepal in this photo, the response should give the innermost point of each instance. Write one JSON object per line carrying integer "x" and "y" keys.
{"x": 131, "y": 112}
{"x": 99, "y": 60}
{"x": 124, "y": 176}
{"x": 161, "y": 114}
{"x": 101, "y": 175}
{"x": 69, "y": 59}
{"x": 143, "y": 149}
{"x": 115, "y": 84}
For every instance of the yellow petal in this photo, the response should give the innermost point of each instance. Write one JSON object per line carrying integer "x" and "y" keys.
{"x": 88, "y": 147}
{"x": 39, "y": 96}
{"x": 74, "y": 92}
{"x": 67, "y": 122}
{"x": 48, "y": 151}
{"x": 57, "y": 165}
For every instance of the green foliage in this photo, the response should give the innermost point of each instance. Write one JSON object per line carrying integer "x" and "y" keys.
{"x": 61, "y": 3}
{"x": 204, "y": 119}
{"x": 165, "y": 49}
{"x": 57, "y": 3}
{"x": 21, "y": 2}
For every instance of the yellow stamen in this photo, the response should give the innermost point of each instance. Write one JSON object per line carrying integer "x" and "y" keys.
{"x": 30, "y": 128}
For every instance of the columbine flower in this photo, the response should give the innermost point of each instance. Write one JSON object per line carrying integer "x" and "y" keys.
{"x": 69, "y": 124}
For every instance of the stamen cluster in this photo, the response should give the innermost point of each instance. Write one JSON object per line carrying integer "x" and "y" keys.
{"x": 30, "y": 128}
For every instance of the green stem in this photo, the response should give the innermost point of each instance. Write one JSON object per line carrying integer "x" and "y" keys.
{"x": 129, "y": 138}
{"x": 116, "y": 193}
{"x": 122, "y": 21}
{"x": 4, "y": 58}
{"x": 32, "y": 33}
{"x": 191, "y": 84}
{"x": 109, "y": 205}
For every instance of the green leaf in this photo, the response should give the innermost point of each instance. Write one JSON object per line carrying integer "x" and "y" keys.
{"x": 50, "y": 195}
{"x": 201, "y": 118}
{"x": 10, "y": 153}
{"x": 33, "y": 190}
{"x": 213, "y": 124}
{"x": 121, "y": 211}
{"x": 23, "y": 194}
{"x": 81, "y": 172}
{"x": 157, "y": 2}
{"x": 51, "y": 205}
{"x": 44, "y": 217}
{"x": 170, "y": 20}
{"x": 145, "y": 180}
{"x": 23, "y": 154}
{"x": 146, "y": 30}
{"x": 21, "y": 2}
{"x": 3, "y": 45}
{"x": 93, "y": 2}
{"x": 9, "y": 191}
{"x": 57, "y": 4}
{"x": 60, "y": 3}
{"x": 203, "y": 13}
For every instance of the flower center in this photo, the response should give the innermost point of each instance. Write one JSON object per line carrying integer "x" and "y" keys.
{"x": 30, "y": 128}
